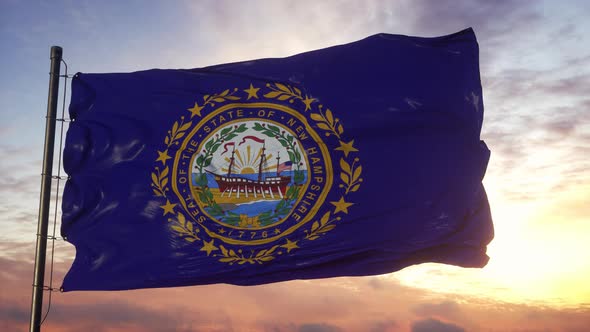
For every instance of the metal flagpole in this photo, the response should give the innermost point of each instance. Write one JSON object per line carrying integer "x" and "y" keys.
{"x": 43, "y": 221}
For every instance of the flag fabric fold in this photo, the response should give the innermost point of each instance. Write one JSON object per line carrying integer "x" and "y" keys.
{"x": 353, "y": 160}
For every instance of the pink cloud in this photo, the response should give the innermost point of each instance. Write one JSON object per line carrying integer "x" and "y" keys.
{"x": 340, "y": 304}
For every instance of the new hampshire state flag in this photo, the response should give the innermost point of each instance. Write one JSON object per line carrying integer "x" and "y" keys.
{"x": 177, "y": 177}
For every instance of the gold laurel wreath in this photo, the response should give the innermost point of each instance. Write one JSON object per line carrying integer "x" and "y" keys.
{"x": 160, "y": 181}
{"x": 177, "y": 132}
{"x": 319, "y": 228}
{"x": 231, "y": 257}
{"x": 184, "y": 228}
{"x": 216, "y": 98}
{"x": 350, "y": 174}
{"x": 285, "y": 92}
{"x": 326, "y": 121}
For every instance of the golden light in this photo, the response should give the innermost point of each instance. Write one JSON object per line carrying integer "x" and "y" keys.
{"x": 247, "y": 163}
{"x": 539, "y": 255}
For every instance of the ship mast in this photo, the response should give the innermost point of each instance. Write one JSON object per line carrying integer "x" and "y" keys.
{"x": 262, "y": 162}
{"x": 231, "y": 162}
{"x": 278, "y": 158}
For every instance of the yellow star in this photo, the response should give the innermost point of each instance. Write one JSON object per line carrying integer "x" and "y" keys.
{"x": 163, "y": 156}
{"x": 252, "y": 92}
{"x": 208, "y": 247}
{"x": 221, "y": 231}
{"x": 195, "y": 110}
{"x": 346, "y": 148}
{"x": 341, "y": 205}
{"x": 290, "y": 245}
{"x": 277, "y": 231}
{"x": 307, "y": 101}
{"x": 168, "y": 208}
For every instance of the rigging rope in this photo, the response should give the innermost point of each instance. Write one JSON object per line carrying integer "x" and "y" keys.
{"x": 58, "y": 178}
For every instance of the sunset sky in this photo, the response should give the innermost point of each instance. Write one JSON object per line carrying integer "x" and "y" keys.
{"x": 535, "y": 69}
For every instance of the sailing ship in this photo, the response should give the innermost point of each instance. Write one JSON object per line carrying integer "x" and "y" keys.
{"x": 265, "y": 187}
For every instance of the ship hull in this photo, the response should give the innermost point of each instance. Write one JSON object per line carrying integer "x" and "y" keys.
{"x": 269, "y": 188}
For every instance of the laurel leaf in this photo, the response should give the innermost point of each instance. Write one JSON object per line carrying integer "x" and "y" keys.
{"x": 178, "y": 229}
{"x": 232, "y": 98}
{"x": 164, "y": 173}
{"x": 329, "y": 116}
{"x": 189, "y": 226}
{"x": 314, "y": 226}
{"x": 191, "y": 239}
{"x": 323, "y": 126}
{"x": 317, "y": 117}
{"x": 297, "y": 91}
{"x": 174, "y": 128}
{"x": 271, "y": 250}
{"x": 340, "y": 129}
{"x": 325, "y": 218}
{"x": 205, "y": 97}
{"x": 232, "y": 253}
{"x": 155, "y": 179}
{"x": 223, "y": 250}
{"x": 218, "y": 100}
{"x": 179, "y": 135}
{"x": 166, "y": 140}
{"x": 208, "y": 161}
{"x": 357, "y": 173}
{"x": 345, "y": 166}
{"x": 311, "y": 238}
{"x": 266, "y": 258}
{"x": 224, "y": 93}
{"x": 227, "y": 259}
{"x": 344, "y": 177}
{"x": 355, "y": 188}
{"x": 185, "y": 126}
{"x": 327, "y": 228}
{"x": 261, "y": 253}
{"x": 157, "y": 192}
{"x": 284, "y": 97}
{"x": 164, "y": 182}
{"x": 273, "y": 94}
{"x": 283, "y": 87}
{"x": 181, "y": 218}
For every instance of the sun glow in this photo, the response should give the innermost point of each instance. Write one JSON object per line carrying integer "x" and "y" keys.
{"x": 528, "y": 263}
{"x": 247, "y": 170}
{"x": 248, "y": 162}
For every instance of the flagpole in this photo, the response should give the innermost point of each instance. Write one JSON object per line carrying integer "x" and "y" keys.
{"x": 43, "y": 221}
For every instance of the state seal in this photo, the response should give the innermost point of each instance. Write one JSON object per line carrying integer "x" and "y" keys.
{"x": 249, "y": 177}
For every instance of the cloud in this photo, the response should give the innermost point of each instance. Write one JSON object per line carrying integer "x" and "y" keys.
{"x": 434, "y": 325}
{"x": 383, "y": 326}
{"x": 114, "y": 315}
{"x": 339, "y": 304}
{"x": 322, "y": 327}
{"x": 490, "y": 18}
{"x": 445, "y": 309}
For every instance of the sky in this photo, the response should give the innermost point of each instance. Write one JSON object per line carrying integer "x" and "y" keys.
{"x": 535, "y": 70}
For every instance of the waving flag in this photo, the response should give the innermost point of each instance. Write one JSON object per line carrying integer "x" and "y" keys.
{"x": 286, "y": 166}
{"x": 381, "y": 138}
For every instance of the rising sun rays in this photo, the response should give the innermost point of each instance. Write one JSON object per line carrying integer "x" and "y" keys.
{"x": 248, "y": 162}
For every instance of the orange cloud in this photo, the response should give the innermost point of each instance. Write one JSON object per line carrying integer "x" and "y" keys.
{"x": 339, "y": 304}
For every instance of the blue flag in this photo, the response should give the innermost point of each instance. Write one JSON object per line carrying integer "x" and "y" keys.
{"x": 353, "y": 160}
